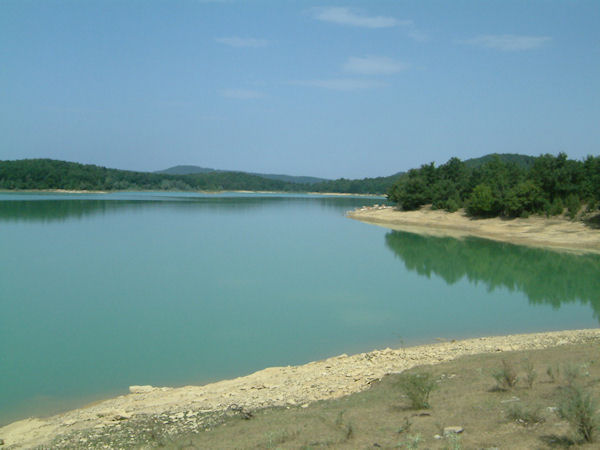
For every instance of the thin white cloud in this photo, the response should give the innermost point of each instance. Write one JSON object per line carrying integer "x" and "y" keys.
{"x": 508, "y": 42}
{"x": 352, "y": 17}
{"x": 356, "y": 18}
{"x": 340, "y": 84}
{"x": 239, "y": 42}
{"x": 374, "y": 65}
{"x": 241, "y": 94}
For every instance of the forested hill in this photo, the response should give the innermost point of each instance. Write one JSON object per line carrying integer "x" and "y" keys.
{"x": 523, "y": 161}
{"x": 189, "y": 170}
{"x": 52, "y": 174}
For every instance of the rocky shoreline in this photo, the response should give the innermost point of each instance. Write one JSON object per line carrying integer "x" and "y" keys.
{"x": 192, "y": 408}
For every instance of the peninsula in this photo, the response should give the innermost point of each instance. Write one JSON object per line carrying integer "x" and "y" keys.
{"x": 537, "y": 231}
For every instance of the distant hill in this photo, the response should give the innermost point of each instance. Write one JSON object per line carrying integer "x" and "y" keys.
{"x": 189, "y": 170}
{"x": 53, "y": 174}
{"x": 185, "y": 170}
{"x": 523, "y": 161}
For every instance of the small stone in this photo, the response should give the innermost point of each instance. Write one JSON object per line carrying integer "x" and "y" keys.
{"x": 118, "y": 416}
{"x": 305, "y": 405}
{"x": 453, "y": 430}
{"x": 437, "y": 436}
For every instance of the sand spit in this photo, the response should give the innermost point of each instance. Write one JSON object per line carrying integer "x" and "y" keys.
{"x": 535, "y": 231}
{"x": 276, "y": 386}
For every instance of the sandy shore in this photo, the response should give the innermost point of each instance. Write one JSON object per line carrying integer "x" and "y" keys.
{"x": 537, "y": 231}
{"x": 276, "y": 386}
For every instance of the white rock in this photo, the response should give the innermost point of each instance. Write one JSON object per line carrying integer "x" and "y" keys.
{"x": 141, "y": 389}
{"x": 453, "y": 430}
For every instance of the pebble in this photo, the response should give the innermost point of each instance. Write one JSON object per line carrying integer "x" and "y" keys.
{"x": 453, "y": 430}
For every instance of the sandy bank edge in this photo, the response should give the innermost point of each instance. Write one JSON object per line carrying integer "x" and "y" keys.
{"x": 535, "y": 231}
{"x": 276, "y": 386}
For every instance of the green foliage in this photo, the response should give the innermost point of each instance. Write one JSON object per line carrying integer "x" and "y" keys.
{"x": 573, "y": 205}
{"x": 530, "y": 373}
{"x": 556, "y": 207}
{"x": 417, "y": 388}
{"x": 502, "y": 185}
{"x": 506, "y": 377}
{"x": 580, "y": 409}
{"x": 482, "y": 201}
{"x": 52, "y": 174}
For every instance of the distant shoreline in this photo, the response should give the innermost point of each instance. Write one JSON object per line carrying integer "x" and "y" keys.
{"x": 291, "y": 386}
{"x": 536, "y": 231}
{"x": 72, "y": 191}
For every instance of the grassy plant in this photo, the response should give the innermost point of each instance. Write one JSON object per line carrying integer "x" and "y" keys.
{"x": 571, "y": 373}
{"x": 553, "y": 373}
{"x": 530, "y": 373}
{"x": 405, "y": 427}
{"x": 580, "y": 409}
{"x": 417, "y": 388}
{"x": 453, "y": 442}
{"x": 506, "y": 377}
{"x": 412, "y": 442}
{"x": 345, "y": 427}
{"x": 524, "y": 416}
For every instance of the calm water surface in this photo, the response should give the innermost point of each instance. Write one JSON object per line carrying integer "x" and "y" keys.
{"x": 99, "y": 292}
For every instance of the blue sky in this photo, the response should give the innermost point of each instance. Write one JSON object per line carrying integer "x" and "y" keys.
{"x": 332, "y": 89}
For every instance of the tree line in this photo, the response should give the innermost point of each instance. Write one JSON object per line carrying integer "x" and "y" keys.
{"x": 544, "y": 185}
{"x": 53, "y": 174}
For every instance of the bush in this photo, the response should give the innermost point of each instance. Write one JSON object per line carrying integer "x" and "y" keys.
{"x": 482, "y": 201}
{"x": 506, "y": 377}
{"x": 417, "y": 388}
{"x": 573, "y": 205}
{"x": 531, "y": 374}
{"x": 580, "y": 409}
{"x": 556, "y": 207}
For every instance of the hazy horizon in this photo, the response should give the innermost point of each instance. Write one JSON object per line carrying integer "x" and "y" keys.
{"x": 327, "y": 89}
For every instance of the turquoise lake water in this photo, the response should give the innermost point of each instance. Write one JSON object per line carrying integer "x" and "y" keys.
{"x": 102, "y": 291}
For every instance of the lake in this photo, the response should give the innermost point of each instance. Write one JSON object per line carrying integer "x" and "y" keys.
{"x": 102, "y": 291}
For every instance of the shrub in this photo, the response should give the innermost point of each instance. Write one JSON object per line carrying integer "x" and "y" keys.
{"x": 554, "y": 374}
{"x": 573, "y": 205}
{"x": 556, "y": 207}
{"x": 417, "y": 388}
{"x": 482, "y": 201}
{"x": 580, "y": 409}
{"x": 524, "y": 416}
{"x": 530, "y": 373}
{"x": 506, "y": 377}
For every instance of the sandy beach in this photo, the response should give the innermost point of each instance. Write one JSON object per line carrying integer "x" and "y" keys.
{"x": 536, "y": 231}
{"x": 293, "y": 386}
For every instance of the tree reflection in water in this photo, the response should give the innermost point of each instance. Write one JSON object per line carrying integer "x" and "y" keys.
{"x": 545, "y": 276}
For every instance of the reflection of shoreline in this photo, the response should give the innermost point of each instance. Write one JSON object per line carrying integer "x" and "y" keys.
{"x": 545, "y": 276}
{"x": 65, "y": 206}
{"x": 273, "y": 387}
{"x": 560, "y": 234}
